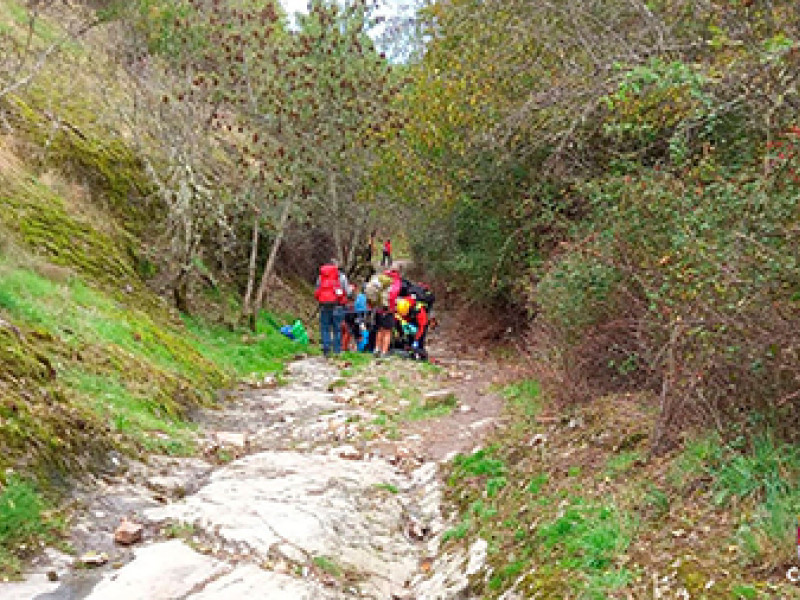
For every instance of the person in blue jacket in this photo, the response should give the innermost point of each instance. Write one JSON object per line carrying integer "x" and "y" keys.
{"x": 360, "y": 307}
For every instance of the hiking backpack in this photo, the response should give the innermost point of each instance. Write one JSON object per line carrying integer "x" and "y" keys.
{"x": 419, "y": 291}
{"x": 330, "y": 289}
{"x": 394, "y": 289}
{"x": 373, "y": 290}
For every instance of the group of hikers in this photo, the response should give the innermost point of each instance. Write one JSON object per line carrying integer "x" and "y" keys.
{"x": 388, "y": 313}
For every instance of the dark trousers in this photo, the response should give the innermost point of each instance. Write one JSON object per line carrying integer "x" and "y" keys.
{"x": 421, "y": 353}
{"x": 386, "y": 259}
{"x": 330, "y": 327}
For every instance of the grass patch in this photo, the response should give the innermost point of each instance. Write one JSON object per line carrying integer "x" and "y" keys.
{"x": 178, "y": 530}
{"x": 586, "y": 535}
{"x": 135, "y": 416}
{"x": 587, "y": 538}
{"x": 266, "y": 353}
{"x": 524, "y": 397}
{"x": 387, "y": 487}
{"x": 482, "y": 462}
{"x": 430, "y": 369}
{"x": 656, "y": 502}
{"x": 762, "y": 475}
{"x": 459, "y": 532}
{"x": 506, "y": 572}
{"x": 621, "y": 463}
{"x": 744, "y": 592}
{"x": 694, "y": 461}
{"x": 357, "y": 360}
{"x": 766, "y": 475}
{"x": 78, "y": 314}
{"x": 417, "y": 410}
{"x": 537, "y": 483}
{"x": 328, "y": 565}
{"x": 25, "y": 525}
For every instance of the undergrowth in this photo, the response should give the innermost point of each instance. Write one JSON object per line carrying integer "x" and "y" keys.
{"x": 759, "y": 479}
{"x": 575, "y": 507}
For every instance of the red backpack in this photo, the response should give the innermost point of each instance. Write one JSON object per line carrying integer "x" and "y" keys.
{"x": 329, "y": 290}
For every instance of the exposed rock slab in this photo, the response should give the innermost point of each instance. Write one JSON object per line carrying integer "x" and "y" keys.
{"x": 32, "y": 587}
{"x": 280, "y": 508}
{"x": 300, "y": 506}
{"x": 162, "y": 571}
{"x": 250, "y": 581}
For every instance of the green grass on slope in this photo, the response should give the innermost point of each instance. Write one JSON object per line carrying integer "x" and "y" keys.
{"x": 81, "y": 373}
{"x": 141, "y": 373}
{"x": 25, "y": 524}
{"x": 133, "y": 415}
{"x": 240, "y": 353}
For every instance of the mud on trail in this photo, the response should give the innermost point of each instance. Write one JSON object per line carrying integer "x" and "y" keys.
{"x": 325, "y": 487}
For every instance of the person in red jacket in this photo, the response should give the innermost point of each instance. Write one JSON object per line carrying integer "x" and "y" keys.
{"x": 331, "y": 293}
{"x": 386, "y": 259}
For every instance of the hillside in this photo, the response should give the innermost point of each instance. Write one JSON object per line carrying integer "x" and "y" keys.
{"x": 92, "y": 359}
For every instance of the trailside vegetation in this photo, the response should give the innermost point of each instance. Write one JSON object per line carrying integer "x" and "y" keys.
{"x": 627, "y": 174}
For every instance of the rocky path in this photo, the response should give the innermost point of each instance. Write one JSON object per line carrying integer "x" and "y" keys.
{"x": 319, "y": 489}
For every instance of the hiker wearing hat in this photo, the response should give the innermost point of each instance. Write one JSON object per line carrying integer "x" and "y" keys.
{"x": 414, "y": 319}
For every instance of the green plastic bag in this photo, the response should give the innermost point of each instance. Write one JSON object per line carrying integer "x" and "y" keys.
{"x": 299, "y": 332}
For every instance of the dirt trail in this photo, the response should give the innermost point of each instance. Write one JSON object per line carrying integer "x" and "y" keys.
{"x": 323, "y": 488}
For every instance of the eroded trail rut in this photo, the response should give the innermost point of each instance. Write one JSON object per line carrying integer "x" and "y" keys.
{"x": 309, "y": 509}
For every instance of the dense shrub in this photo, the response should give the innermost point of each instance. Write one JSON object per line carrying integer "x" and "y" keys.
{"x": 689, "y": 284}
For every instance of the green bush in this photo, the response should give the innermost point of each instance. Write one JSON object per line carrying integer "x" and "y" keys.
{"x": 577, "y": 292}
{"x": 689, "y": 273}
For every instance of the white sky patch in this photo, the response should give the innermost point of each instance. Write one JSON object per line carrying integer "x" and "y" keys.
{"x": 293, "y": 6}
{"x": 388, "y": 7}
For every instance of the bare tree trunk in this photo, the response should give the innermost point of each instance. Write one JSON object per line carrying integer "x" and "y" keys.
{"x": 337, "y": 225}
{"x": 247, "y": 308}
{"x": 180, "y": 286}
{"x": 266, "y": 276}
{"x": 180, "y": 290}
{"x": 355, "y": 244}
{"x": 350, "y": 261}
